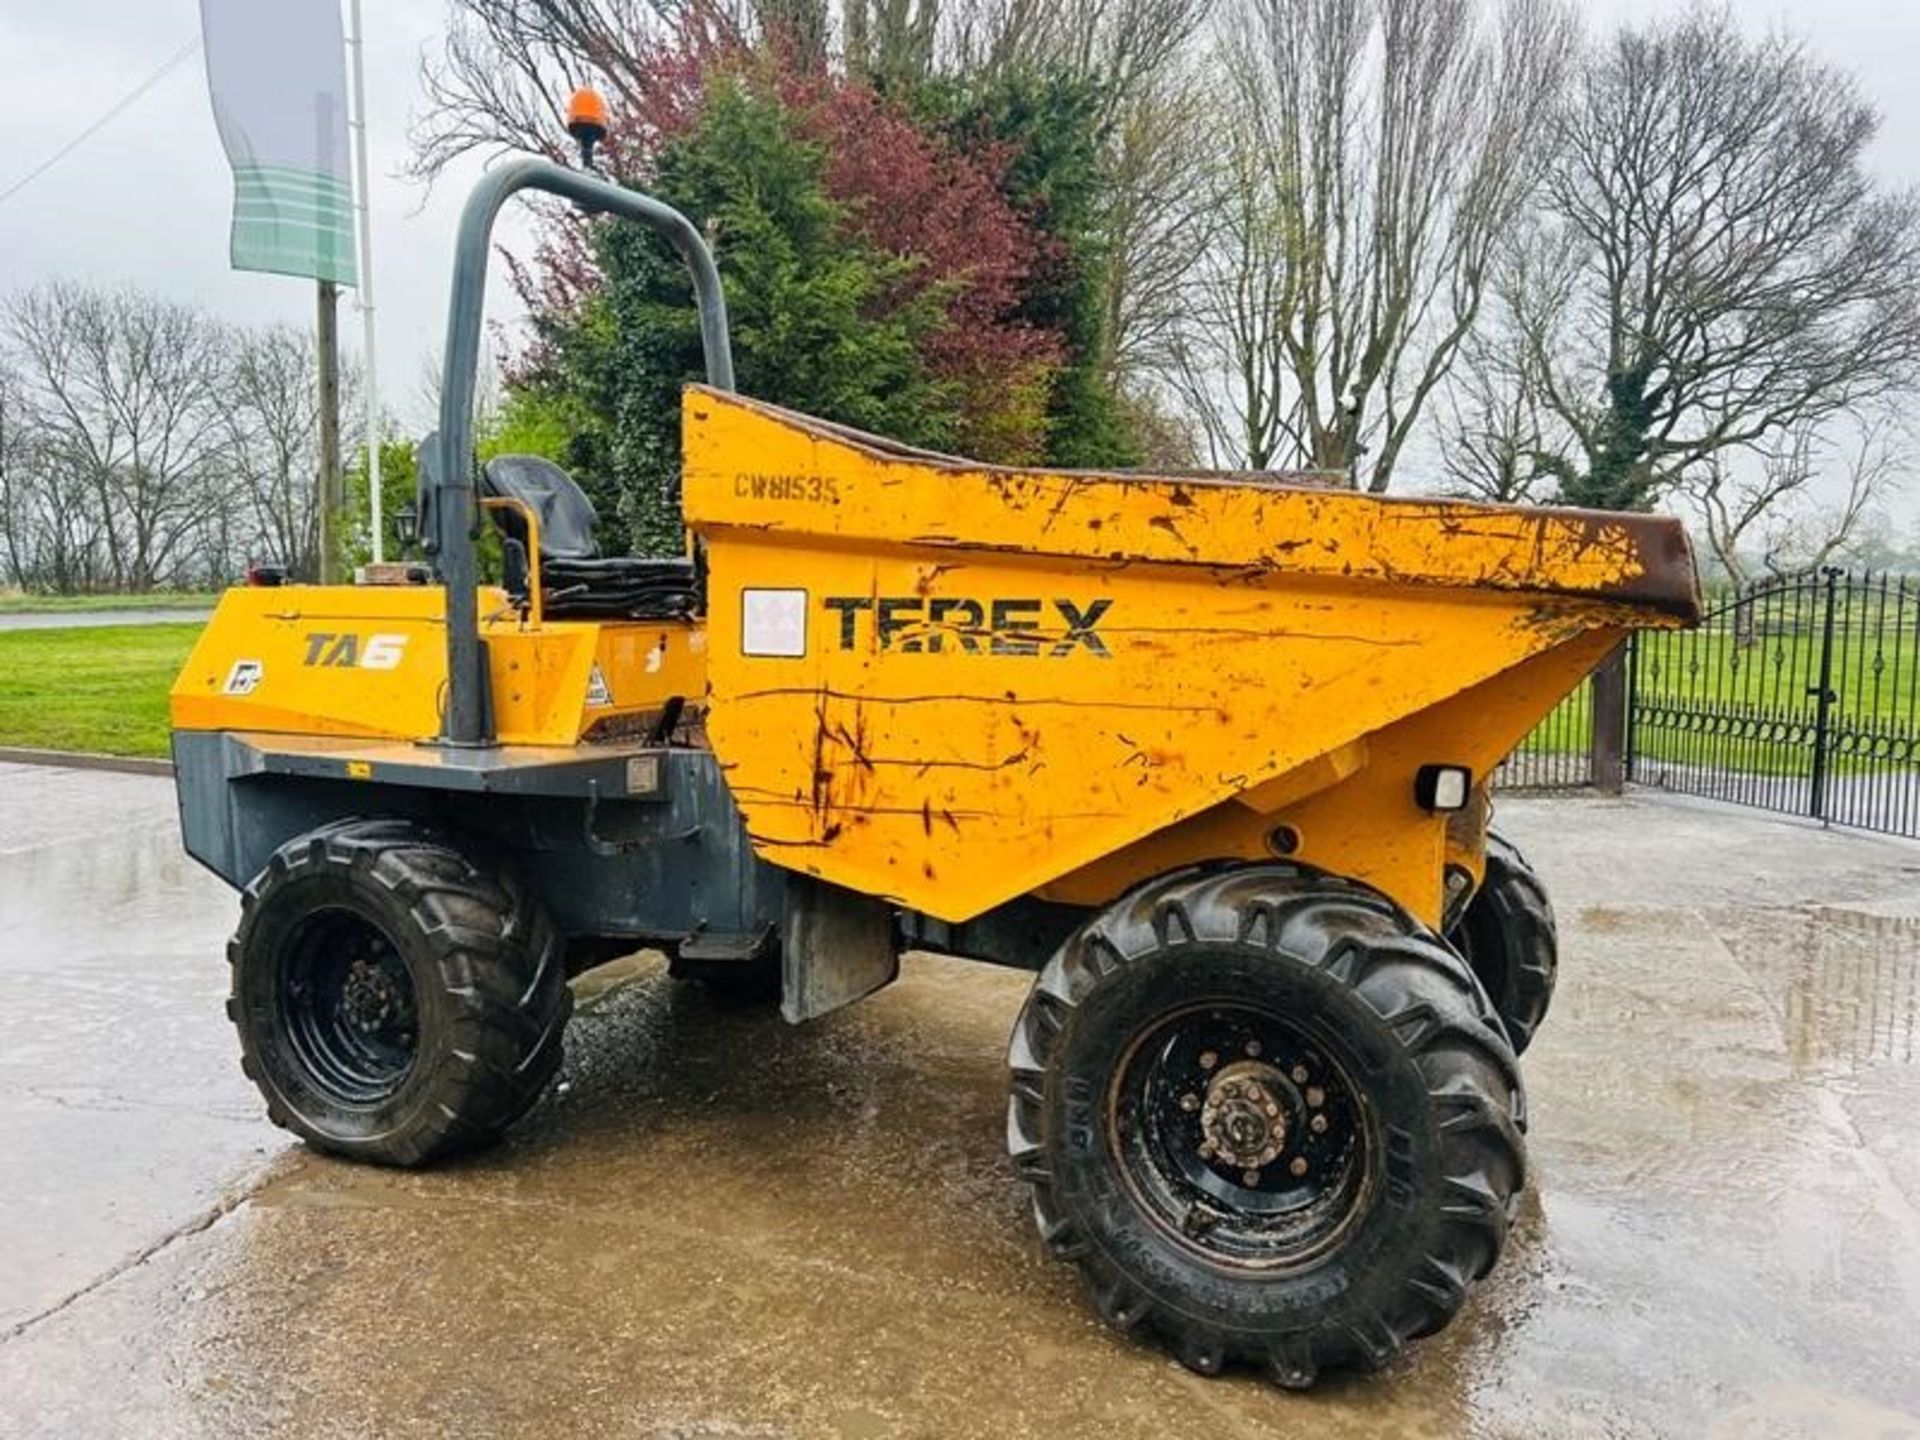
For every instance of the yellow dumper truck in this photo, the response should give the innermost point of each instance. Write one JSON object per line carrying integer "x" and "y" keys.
{"x": 1207, "y": 753}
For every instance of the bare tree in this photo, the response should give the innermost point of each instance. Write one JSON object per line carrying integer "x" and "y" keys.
{"x": 272, "y": 418}
{"x": 1733, "y": 275}
{"x": 1403, "y": 139}
{"x": 1144, "y": 62}
{"x": 15, "y": 512}
{"x": 1490, "y": 436}
{"x": 123, "y": 391}
{"x": 502, "y": 80}
{"x": 143, "y": 443}
{"x": 1228, "y": 356}
{"x": 891, "y": 40}
{"x": 1159, "y": 218}
{"x": 1392, "y": 144}
{"x": 1762, "y": 512}
{"x": 1499, "y": 437}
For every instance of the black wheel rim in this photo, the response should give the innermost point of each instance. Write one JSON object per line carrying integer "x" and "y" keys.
{"x": 348, "y": 1007}
{"x": 1242, "y": 1135}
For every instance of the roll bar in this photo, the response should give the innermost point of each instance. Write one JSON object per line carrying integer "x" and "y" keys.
{"x": 450, "y": 529}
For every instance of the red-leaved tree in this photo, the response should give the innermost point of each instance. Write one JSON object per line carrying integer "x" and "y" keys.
{"x": 906, "y": 194}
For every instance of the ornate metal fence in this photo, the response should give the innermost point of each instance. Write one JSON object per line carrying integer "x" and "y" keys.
{"x": 1558, "y": 754}
{"x": 1799, "y": 694}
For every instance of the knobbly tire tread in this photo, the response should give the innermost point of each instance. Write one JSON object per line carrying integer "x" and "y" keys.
{"x": 491, "y": 951}
{"x": 1416, "y": 989}
{"x": 1511, "y": 941}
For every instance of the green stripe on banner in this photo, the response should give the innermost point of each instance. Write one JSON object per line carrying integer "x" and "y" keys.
{"x": 293, "y": 222}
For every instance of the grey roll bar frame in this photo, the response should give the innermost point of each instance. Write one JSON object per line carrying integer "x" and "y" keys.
{"x": 468, "y": 720}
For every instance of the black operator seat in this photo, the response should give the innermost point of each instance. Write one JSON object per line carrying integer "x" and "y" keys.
{"x": 576, "y": 579}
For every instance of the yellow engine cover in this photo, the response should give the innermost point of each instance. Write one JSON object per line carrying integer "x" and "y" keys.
{"x": 371, "y": 661}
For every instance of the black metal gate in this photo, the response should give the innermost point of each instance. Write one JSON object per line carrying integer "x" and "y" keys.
{"x": 1799, "y": 694}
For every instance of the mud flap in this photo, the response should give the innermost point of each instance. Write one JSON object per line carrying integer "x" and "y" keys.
{"x": 839, "y": 946}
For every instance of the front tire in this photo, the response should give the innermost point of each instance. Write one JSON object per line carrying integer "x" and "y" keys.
{"x": 1270, "y": 1117}
{"x": 395, "y": 1002}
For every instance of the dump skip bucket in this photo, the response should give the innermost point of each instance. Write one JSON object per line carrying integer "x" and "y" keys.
{"x": 952, "y": 684}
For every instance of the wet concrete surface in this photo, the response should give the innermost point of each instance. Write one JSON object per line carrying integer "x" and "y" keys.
{"x": 723, "y": 1226}
{"x": 84, "y": 619}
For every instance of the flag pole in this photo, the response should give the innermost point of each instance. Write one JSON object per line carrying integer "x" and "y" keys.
{"x": 370, "y": 381}
{"x": 327, "y": 349}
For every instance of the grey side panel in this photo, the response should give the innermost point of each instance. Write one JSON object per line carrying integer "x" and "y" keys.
{"x": 673, "y": 865}
{"x": 676, "y": 866}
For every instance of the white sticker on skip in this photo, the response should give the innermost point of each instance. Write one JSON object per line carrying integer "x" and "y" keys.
{"x": 773, "y": 623}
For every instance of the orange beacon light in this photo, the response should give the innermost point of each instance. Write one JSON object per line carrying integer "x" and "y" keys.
{"x": 587, "y": 121}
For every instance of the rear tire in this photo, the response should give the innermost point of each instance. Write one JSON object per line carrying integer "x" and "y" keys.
{"x": 1353, "y": 1219}
{"x": 1510, "y": 939}
{"x": 395, "y": 1002}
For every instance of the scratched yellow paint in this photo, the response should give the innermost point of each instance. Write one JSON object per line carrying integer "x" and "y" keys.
{"x": 950, "y": 738}
{"x": 259, "y": 667}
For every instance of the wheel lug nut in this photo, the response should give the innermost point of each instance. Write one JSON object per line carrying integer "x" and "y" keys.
{"x": 1318, "y": 1124}
{"x": 1316, "y": 1097}
{"x": 1250, "y": 1178}
{"x": 1297, "y": 1166}
{"x": 1299, "y": 1074}
{"x": 1208, "y": 1059}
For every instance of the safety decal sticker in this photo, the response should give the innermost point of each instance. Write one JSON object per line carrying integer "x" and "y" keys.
{"x": 243, "y": 678}
{"x": 599, "y": 694}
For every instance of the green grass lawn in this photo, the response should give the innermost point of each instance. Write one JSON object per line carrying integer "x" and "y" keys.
{"x": 15, "y": 602}
{"x": 102, "y": 690}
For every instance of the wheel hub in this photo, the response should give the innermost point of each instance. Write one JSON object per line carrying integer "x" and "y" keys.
{"x": 1240, "y": 1133}
{"x": 1243, "y": 1119}
{"x": 369, "y": 999}
{"x": 347, "y": 1003}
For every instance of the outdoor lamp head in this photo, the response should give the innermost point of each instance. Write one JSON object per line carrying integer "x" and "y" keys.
{"x": 587, "y": 122}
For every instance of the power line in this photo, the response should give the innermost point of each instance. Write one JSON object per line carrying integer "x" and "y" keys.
{"x": 172, "y": 63}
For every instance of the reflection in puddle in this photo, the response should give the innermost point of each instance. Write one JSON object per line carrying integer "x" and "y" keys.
{"x": 1846, "y": 985}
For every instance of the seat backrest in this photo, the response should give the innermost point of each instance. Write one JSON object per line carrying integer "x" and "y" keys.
{"x": 565, "y": 514}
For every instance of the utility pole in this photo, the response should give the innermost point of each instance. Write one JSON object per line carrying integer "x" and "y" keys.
{"x": 327, "y": 492}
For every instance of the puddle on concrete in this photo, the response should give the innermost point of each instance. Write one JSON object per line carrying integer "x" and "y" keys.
{"x": 1845, "y": 984}
{"x": 1842, "y": 985}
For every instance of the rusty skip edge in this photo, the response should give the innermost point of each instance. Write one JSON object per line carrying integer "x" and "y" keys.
{"x": 1667, "y": 582}
{"x": 1663, "y": 579}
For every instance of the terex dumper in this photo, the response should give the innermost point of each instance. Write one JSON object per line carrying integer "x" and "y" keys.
{"x": 1208, "y": 753}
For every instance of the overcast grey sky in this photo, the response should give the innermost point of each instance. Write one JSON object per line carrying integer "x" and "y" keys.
{"x": 146, "y": 200}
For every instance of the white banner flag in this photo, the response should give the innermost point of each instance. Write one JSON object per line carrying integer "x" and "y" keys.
{"x": 277, "y": 73}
